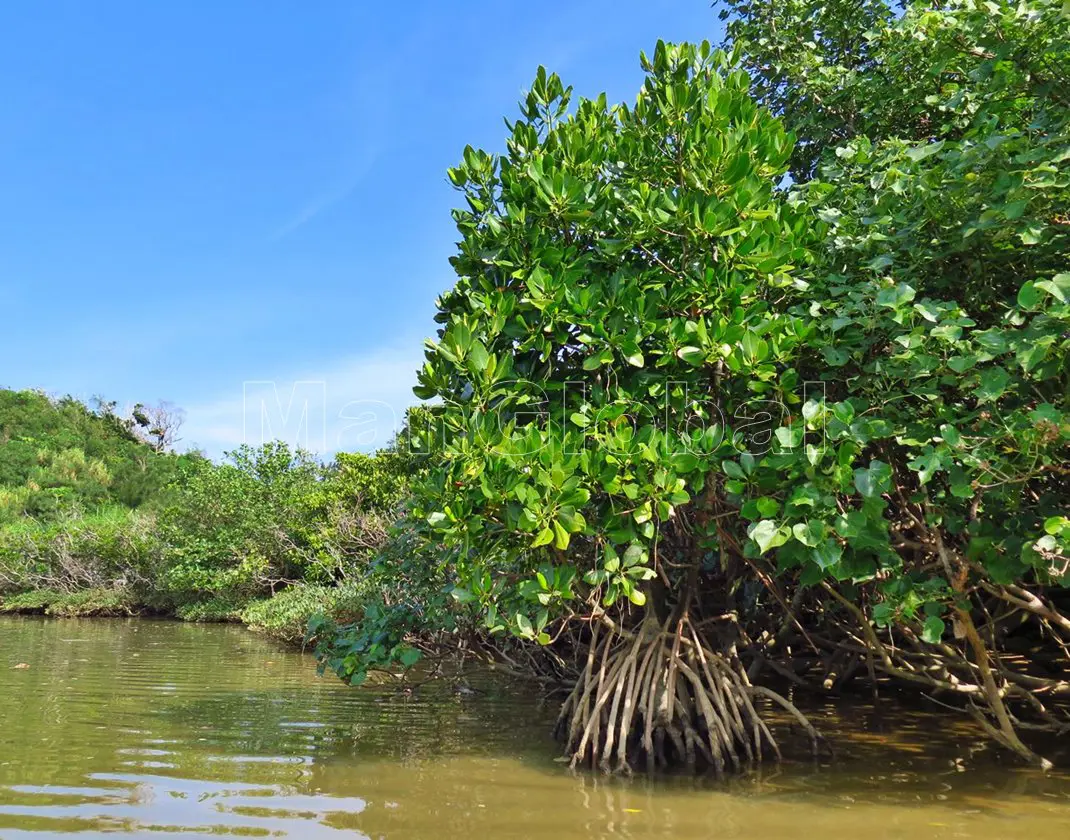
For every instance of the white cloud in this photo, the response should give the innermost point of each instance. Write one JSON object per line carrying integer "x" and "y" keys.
{"x": 354, "y": 404}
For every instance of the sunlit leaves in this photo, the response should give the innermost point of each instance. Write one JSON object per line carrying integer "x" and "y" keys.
{"x": 920, "y": 152}
{"x": 927, "y": 463}
{"x": 893, "y": 298}
{"x": 810, "y": 533}
{"x": 827, "y": 554}
{"x": 768, "y": 534}
{"x": 941, "y": 293}
{"x": 1058, "y": 287}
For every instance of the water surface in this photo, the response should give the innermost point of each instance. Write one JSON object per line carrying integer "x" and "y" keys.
{"x": 160, "y": 729}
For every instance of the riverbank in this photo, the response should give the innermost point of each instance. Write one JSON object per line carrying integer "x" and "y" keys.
{"x": 283, "y": 616}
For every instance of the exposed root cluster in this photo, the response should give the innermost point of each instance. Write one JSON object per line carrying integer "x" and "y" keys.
{"x": 662, "y": 697}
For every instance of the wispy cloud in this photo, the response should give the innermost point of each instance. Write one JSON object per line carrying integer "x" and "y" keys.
{"x": 352, "y": 404}
{"x": 329, "y": 197}
{"x": 372, "y": 104}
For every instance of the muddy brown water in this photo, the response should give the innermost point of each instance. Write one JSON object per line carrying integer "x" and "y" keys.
{"x": 161, "y": 729}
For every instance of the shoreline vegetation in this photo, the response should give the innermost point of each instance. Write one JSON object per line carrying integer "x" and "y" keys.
{"x": 283, "y": 617}
{"x": 762, "y": 378}
{"x": 96, "y": 519}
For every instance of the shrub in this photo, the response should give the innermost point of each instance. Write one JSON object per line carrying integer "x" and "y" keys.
{"x": 114, "y": 548}
{"x": 286, "y": 615}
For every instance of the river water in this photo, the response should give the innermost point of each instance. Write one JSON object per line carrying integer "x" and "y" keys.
{"x": 161, "y": 729}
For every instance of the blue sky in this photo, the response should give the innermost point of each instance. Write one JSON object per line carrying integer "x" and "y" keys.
{"x": 198, "y": 197}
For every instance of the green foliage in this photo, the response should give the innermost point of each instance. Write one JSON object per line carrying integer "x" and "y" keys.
{"x": 272, "y": 517}
{"x": 112, "y": 548}
{"x": 844, "y": 69}
{"x": 81, "y": 603}
{"x": 213, "y": 608}
{"x": 351, "y": 511}
{"x": 235, "y": 528}
{"x": 399, "y": 591}
{"x": 369, "y": 482}
{"x": 375, "y": 643}
{"x": 85, "y": 504}
{"x": 940, "y": 297}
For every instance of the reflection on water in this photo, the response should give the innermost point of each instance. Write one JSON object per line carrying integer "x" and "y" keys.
{"x": 161, "y": 729}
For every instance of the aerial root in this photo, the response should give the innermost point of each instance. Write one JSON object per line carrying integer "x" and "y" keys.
{"x": 662, "y": 697}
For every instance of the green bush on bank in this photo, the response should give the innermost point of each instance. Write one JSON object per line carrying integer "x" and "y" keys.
{"x": 217, "y": 609}
{"x": 286, "y": 615}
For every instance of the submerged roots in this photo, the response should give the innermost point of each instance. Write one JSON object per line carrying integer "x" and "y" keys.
{"x": 664, "y": 698}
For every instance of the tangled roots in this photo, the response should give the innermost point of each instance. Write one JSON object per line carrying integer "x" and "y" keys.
{"x": 665, "y": 698}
